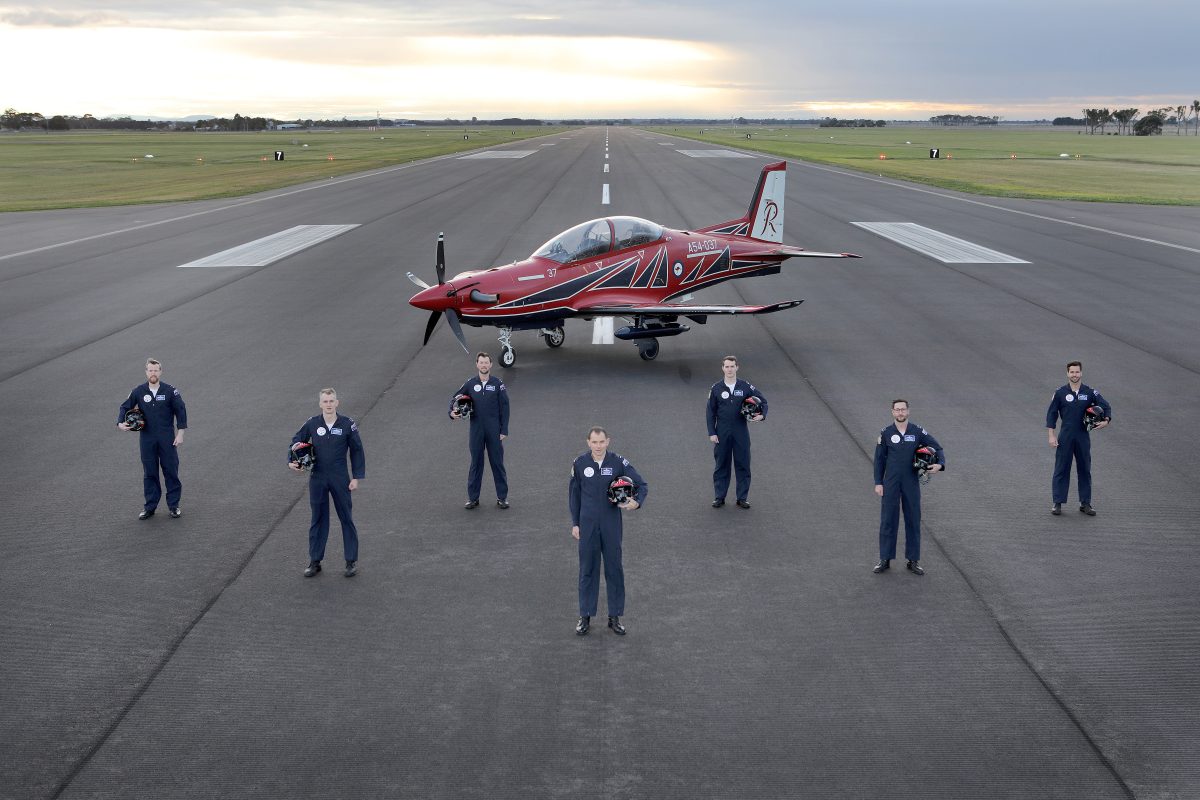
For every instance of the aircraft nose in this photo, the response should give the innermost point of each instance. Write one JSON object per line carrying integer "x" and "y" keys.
{"x": 432, "y": 299}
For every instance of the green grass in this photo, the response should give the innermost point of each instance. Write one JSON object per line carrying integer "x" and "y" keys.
{"x": 80, "y": 168}
{"x": 1162, "y": 170}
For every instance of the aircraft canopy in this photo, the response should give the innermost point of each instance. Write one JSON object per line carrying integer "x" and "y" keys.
{"x": 599, "y": 236}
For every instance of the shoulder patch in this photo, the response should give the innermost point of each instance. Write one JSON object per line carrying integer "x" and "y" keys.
{"x": 879, "y": 439}
{"x": 176, "y": 392}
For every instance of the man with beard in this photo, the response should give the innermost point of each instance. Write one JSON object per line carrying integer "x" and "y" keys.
{"x": 896, "y": 481}
{"x": 1071, "y": 402}
{"x": 165, "y": 421}
{"x": 489, "y": 429}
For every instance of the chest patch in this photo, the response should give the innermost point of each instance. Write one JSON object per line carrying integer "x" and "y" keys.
{"x": 147, "y": 398}
{"x": 478, "y": 388}
{"x": 606, "y": 470}
{"x": 739, "y": 393}
{"x": 320, "y": 431}
{"x": 336, "y": 431}
{"x": 895, "y": 438}
{"x": 910, "y": 438}
{"x": 1081, "y": 397}
{"x": 588, "y": 472}
{"x": 724, "y": 396}
{"x": 1070, "y": 398}
{"x": 161, "y": 397}
{"x": 489, "y": 388}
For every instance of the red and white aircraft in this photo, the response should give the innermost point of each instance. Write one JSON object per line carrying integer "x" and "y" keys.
{"x": 619, "y": 267}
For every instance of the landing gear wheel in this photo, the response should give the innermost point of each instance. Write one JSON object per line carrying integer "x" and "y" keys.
{"x": 648, "y": 349}
{"x": 507, "y": 357}
{"x": 554, "y": 337}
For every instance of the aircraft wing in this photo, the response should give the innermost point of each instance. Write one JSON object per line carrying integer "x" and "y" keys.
{"x": 786, "y": 251}
{"x": 676, "y": 309}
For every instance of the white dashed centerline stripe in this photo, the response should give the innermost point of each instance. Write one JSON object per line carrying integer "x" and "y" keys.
{"x": 270, "y": 249}
{"x": 606, "y": 167}
{"x": 935, "y": 244}
{"x": 604, "y": 196}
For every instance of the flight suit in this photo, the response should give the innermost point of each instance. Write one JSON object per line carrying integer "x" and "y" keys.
{"x": 600, "y": 529}
{"x": 1074, "y": 441}
{"x": 489, "y": 422}
{"x": 329, "y": 478}
{"x": 725, "y": 421}
{"x": 164, "y": 410}
{"x": 894, "y": 470}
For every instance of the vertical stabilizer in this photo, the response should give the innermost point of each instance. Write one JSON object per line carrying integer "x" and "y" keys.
{"x": 766, "y": 209}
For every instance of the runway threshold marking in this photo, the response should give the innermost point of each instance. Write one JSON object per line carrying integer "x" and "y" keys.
{"x": 500, "y": 154}
{"x": 270, "y": 249}
{"x": 935, "y": 244}
{"x": 715, "y": 154}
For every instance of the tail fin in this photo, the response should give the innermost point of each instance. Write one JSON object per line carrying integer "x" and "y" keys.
{"x": 764, "y": 219}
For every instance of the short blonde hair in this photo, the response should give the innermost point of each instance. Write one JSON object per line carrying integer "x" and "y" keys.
{"x": 327, "y": 390}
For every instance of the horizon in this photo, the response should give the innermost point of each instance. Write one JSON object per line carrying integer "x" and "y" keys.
{"x": 600, "y": 60}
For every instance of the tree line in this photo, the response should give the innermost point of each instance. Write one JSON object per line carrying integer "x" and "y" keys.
{"x": 1150, "y": 124}
{"x": 15, "y": 120}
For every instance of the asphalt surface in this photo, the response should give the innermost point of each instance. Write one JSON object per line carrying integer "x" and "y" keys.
{"x": 1039, "y": 657}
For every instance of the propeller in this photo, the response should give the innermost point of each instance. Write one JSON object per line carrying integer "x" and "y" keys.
{"x": 451, "y": 317}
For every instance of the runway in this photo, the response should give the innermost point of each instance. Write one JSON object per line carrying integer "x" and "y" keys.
{"x": 1039, "y": 657}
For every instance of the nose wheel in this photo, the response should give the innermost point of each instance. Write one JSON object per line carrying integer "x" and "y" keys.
{"x": 508, "y": 356}
{"x": 647, "y": 349}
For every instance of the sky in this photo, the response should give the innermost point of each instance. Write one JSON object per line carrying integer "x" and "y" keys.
{"x": 880, "y": 59}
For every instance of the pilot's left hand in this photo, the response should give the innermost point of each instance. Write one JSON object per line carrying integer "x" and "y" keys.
{"x": 936, "y": 468}
{"x": 629, "y": 505}
{"x": 758, "y": 418}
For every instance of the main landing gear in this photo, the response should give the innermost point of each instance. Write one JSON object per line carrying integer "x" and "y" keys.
{"x": 647, "y": 349}
{"x": 554, "y": 337}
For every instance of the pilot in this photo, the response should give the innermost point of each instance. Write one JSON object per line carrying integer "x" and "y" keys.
{"x": 332, "y": 437}
{"x": 729, "y": 433}
{"x": 489, "y": 429}
{"x": 166, "y": 420}
{"x": 896, "y": 481}
{"x": 596, "y": 523}
{"x": 1073, "y": 442}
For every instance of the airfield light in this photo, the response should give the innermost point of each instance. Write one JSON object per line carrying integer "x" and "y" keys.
{"x": 883, "y": 156}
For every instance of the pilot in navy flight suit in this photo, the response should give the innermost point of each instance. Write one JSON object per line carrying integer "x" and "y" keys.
{"x": 332, "y": 436}
{"x": 596, "y": 523}
{"x": 1073, "y": 442}
{"x": 729, "y": 433}
{"x": 489, "y": 428}
{"x": 896, "y": 482}
{"x": 166, "y": 420}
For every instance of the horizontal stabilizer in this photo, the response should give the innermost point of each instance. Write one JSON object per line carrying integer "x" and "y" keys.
{"x": 786, "y": 251}
{"x": 673, "y": 309}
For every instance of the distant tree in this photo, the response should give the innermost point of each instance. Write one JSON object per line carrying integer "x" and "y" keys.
{"x": 1124, "y": 118}
{"x": 1196, "y": 116}
{"x": 58, "y": 123}
{"x": 1149, "y": 125}
{"x": 1069, "y": 121}
{"x": 1104, "y": 118}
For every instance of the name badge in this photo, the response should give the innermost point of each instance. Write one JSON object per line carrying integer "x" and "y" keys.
{"x": 336, "y": 431}
{"x": 910, "y": 438}
{"x": 489, "y": 388}
{"x": 161, "y": 397}
{"x": 738, "y": 393}
{"x": 1081, "y": 397}
{"x": 606, "y": 470}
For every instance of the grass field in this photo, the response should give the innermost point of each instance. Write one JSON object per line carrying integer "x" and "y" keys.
{"x": 1161, "y": 170}
{"x": 80, "y": 168}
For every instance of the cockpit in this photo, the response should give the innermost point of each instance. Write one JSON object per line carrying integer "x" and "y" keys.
{"x": 599, "y": 236}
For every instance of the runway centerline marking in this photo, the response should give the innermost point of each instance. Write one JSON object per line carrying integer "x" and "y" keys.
{"x": 604, "y": 195}
{"x": 935, "y": 244}
{"x": 270, "y": 249}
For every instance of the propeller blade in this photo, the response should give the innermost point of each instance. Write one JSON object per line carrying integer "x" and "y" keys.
{"x": 452, "y": 318}
{"x": 417, "y": 281}
{"x": 429, "y": 326}
{"x": 441, "y": 259}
